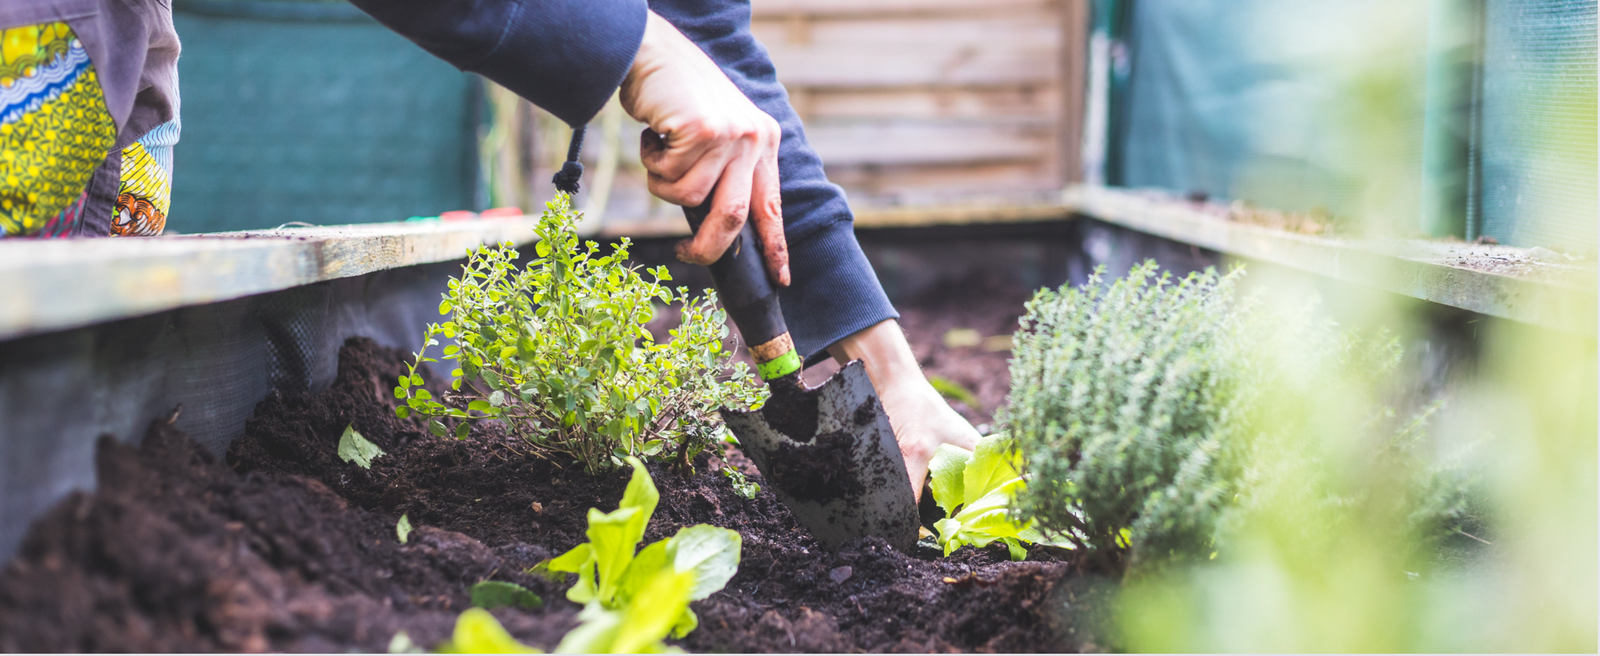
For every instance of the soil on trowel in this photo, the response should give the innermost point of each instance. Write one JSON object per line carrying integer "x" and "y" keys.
{"x": 280, "y": 545}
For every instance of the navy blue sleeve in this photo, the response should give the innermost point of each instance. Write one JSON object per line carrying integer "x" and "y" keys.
{"x": 833, "y": 291}
{"x": 567, "y": 56}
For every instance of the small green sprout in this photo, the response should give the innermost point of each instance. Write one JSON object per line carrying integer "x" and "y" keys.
{"x": 357, "y": 449}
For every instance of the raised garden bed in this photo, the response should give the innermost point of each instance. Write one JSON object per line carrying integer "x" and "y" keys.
{"x": 280, "y": 545}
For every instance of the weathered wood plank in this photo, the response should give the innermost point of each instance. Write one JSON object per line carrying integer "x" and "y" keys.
{"x": 914, "y": 52}
{"x": 59, "y": 284}
{"x": 780, "y": 8}
{"x": 905, "y": 143}
{"x": 1032, "y": 104}
{"x": 1554, "y": 296}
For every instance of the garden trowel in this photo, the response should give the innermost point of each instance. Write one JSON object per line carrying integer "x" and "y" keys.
{"x": 829, "y": 452}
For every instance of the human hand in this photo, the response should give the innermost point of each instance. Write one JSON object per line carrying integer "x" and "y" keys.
{"x": 705, "y": 134}
{"x": 921, "y": 418}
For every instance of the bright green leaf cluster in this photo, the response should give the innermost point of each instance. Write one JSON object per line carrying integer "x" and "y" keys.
{"x": 975, "y": 489}
{"x": 558, "y": 350}
{"x": 613, "y": 578}
{"x": 633, "y": 598}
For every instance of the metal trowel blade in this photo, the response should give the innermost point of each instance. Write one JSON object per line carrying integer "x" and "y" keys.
{"x": 831, "y": 457}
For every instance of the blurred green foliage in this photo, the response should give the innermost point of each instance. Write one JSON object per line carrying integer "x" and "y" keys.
{"x": 1261, "y": 479}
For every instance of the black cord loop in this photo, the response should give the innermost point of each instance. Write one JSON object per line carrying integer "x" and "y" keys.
{"x": 567, "y": 178}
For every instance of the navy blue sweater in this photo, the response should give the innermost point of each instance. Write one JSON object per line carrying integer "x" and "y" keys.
{"x": 568, "y": 56}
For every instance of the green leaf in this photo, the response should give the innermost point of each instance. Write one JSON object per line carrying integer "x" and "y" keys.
{"x": 993, "y": 464}
{"x": 614, "y": 539}
{"x": 444, "y": 307}
{"x": 653, "y": 613}
{"x": 499, "y": 594}
{"x": 478, "y": 632}
{"x": 947, "y": 475}
{"x": 437, "y": 428}
{"x": 711, "y": 553}
{"x": 595, "y": 634}
{"x": 402, "y": 412}
{"x": 355, "y": 448}
{"x": 462, "y": 430}
{"x": 479, "y": 404}
{"x": 402, "y": 529}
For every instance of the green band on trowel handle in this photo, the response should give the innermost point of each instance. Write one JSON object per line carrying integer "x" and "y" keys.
{"x": 783, "y": 365}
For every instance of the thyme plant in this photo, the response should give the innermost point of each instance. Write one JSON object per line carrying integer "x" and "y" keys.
{"x": 558, "y": 351}
{"x": 1159, "y": 419}
{"x": 1124, "y": 400}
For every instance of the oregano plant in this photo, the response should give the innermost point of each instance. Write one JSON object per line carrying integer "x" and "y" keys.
{"x": 559, "y": 351}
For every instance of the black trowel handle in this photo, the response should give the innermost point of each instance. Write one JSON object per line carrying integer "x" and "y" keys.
{"x": 750, "y": 299}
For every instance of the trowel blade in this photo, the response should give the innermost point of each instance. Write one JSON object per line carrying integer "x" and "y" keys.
{"x": 831, "y": 457}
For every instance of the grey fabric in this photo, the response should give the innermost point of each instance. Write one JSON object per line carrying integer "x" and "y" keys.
{"x": 61, "y": 391}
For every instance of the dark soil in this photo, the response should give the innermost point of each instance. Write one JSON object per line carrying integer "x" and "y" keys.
{"x": 988, "y": 305}
{"x": 282, "y": 546}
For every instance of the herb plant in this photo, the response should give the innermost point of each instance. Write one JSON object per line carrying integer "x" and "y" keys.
{"x": 1157, "y": 417}
{"x": 1123, "y": 397}
{"x": 559, "y": 352}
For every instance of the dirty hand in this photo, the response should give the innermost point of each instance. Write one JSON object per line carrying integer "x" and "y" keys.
{"x": 704, "y": 134}
{"x": 921, "y": 418}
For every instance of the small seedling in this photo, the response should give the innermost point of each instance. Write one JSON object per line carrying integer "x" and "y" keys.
{"x": 499, "y": 594}
{"x": 357, "y": 449}
{"x": 975, "y": 489}
{"x": 742, "y": 485}
{"x": 630, "y": 591}
{"x": 402, "y": 529}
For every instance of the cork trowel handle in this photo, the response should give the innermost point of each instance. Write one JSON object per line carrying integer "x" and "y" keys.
{"x": 750, "y": 299}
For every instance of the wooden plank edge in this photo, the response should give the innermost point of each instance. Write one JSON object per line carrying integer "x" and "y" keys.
{"x": 67, "y": 284}
{"x": 1382, "y": 265}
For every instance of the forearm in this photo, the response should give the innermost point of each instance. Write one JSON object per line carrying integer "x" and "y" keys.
{"x": 566, "y": 56}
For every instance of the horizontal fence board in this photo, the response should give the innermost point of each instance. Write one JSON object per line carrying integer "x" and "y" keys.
{"x": 902, "y": 143}
{"x": 914, "y": 52}
{"x": 1032, "y": 104}
{"x": 778, "y": 8}
{"x": 924, "y": 185}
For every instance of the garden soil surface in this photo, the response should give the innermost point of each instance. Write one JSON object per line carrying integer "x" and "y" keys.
{"x": 281, "y": 545}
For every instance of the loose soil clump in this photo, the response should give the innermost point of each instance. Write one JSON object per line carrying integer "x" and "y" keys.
{"x": 283, "y": 546}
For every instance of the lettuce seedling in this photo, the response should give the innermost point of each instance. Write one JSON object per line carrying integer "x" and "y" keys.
{"x": 611, "y": 575}
{"x": 975, "y": 489}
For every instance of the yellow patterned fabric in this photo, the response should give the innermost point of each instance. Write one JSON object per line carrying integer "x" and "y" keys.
{"x": 143, "y": 199}
{"x": 54, "y": 126}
